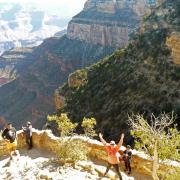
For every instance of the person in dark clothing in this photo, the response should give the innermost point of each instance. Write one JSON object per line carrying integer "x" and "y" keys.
{"x": 28, "y": 132}
{"x": 9, "y": 135}
{"x": 127, "y": 159}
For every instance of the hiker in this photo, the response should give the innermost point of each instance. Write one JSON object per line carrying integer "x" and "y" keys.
{"x": 113, "y": 154}
{"x": 28, "y": 132}
{"x": 9, "y": 135}
{"x": 127, "y": 158}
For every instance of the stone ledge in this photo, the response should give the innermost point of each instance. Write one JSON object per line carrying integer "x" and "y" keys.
{"x": 141, "y": 163}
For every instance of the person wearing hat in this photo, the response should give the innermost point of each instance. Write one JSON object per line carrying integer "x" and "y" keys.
{"x": 127, "y": 158}
{"x": 113, "y": 153}
{"x": 28, "y": 132}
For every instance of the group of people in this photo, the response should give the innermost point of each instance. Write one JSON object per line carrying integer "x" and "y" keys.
{"x": 114, "y": 155}
{"x": 10, "y": 136}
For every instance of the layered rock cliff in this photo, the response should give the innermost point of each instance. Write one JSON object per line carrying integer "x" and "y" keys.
{"x": 108, "y": 22}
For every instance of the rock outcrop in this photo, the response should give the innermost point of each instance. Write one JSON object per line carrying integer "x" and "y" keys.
{"x": 77, "y": 79}
{"x": 174, "y": 43}
{"x": 108, "y": 22}
{"x": 59, "y": 101}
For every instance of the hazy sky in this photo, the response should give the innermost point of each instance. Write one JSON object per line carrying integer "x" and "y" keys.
{"x": 66, "y": 8}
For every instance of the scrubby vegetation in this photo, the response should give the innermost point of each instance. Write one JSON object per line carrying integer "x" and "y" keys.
{"x": 65, "y": 126}
{"x": 69, "y": 149}
{"x": 141, "y": 79}
{"x": 72, "y": 151}
{"x": 157, "y": 139}
{"x": 88, "y": 126}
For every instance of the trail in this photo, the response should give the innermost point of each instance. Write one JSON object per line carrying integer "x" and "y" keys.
{"x": 39, "y": 164}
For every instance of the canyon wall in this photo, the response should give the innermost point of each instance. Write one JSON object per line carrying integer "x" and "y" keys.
{"x": 108, "y": 22}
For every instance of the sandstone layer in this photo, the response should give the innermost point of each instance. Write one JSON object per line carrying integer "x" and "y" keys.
{"x": 108, "y": 22}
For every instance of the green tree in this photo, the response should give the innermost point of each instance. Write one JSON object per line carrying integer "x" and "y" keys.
{"x": 88, "y": 125}
{"x": 156, "y": 138}
{"x": 65, "y": 126}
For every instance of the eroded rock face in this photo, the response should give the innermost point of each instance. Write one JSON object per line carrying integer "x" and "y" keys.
{"x": 106, "y": 6}
{"x": 99, "y": 34}
{"x": 174, "y": 43}
{"x": 107, "y": 22}
{"x": 77, "y": 79}
{"x": 59, "y": 101}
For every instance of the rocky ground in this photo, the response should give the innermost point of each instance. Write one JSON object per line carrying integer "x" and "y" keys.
{"x": 39, "y": 164}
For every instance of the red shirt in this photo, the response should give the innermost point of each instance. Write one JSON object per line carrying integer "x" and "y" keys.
{"x": 113, "y": 154}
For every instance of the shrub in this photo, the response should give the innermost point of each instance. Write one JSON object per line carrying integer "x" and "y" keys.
{"x": 72, "y": 150}
{"x": 88, "y": 125}
{"x": 65, "y": 126}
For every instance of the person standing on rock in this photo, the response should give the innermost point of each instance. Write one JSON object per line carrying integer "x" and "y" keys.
{"x": 113, "y": 154}
{"x": 9, "y": 135}
{"x": 127, "y": 158}
{"x": 28, "y": 132}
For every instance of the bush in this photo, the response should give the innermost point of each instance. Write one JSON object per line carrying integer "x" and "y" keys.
{"x": 65, "y": 126}
{"x": 71, "y": 150}
{"x": 88, "y": 125}
{"x": 171, "y": 174}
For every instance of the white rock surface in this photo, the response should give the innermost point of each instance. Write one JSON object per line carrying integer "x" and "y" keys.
{"x": 40, "y": 164}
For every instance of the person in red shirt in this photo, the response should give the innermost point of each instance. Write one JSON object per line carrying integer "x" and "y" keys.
{"x": 113, "y": 154}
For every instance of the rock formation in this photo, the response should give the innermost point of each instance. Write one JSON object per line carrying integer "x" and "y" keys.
{"x": 77, "y": 79}
{"x": 59, "y": 101}
{"x": 174, "y": 43}
{"x": 108, "y": 22}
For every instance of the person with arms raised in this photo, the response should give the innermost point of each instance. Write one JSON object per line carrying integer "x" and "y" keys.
{"x": 113, "y": 153}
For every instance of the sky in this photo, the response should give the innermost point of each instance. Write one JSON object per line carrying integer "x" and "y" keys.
{"x": 66, "y": 8}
